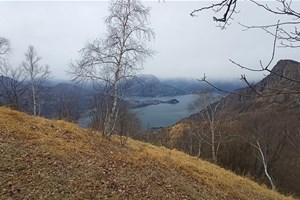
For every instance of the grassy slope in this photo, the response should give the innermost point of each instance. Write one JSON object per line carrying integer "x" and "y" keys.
{"x": 47, "y": 159}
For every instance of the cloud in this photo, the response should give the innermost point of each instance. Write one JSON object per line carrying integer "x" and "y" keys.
{"x": 185, "y": 46}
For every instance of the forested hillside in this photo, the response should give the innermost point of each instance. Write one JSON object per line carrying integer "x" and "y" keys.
{"x": 254, "y": 130}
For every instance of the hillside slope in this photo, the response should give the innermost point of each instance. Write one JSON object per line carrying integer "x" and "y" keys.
{"x": 271, "y": 118}
{"x": 44, "y": 159}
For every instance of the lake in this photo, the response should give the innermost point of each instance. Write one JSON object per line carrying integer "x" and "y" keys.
{"x": 163, "y": 115}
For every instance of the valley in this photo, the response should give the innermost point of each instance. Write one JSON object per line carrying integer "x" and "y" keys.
{"x": 253, "y": 130}
{"x": 132, "y": 99}
{"x": 159, "y": 109}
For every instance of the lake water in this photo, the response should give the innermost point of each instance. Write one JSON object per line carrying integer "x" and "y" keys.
{"x": 164, "y": 115}
{"x": 161, "y": 115}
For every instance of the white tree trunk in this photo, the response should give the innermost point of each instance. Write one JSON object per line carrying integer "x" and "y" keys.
{"x": 213, "y": 150}
{"x": 199, "y": 148}
{"x": 109, "y": 123}
{"x": 34, "y": 100}
{"x": 265, "y": 165}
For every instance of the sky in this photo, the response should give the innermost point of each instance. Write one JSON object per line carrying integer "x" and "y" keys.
{"x": 185, "y": 46}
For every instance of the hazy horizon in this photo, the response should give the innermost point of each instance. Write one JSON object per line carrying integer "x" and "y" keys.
{"x": 187, "y": 47}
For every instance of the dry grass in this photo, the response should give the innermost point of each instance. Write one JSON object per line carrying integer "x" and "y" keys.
{"x": 44, "y": 159}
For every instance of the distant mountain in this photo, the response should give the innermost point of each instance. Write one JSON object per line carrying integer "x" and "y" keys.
{"x": 62, "y": 89}
{"x": 82, "y": 94}
{"x": 185, "y": 84}
{"x": 147, "y": 85}
{"x": 5, "y": 79}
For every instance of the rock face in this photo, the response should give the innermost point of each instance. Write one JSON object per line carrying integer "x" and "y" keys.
{"x": 150, "y": 86}
{"x": 280, "y": 88}
{"x": 282, "y": 74}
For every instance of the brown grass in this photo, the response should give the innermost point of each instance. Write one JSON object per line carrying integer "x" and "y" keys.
{"x": 45, "y": 159}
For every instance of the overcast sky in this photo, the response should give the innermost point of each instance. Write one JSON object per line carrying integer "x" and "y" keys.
{"x": 186, "y": 46}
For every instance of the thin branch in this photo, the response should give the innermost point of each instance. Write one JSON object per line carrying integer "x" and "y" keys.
{"x": 228, "y": 5}
{"x": 204, "y": 79}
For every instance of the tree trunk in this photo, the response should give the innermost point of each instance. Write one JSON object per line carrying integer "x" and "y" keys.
{"x": 34, "y": 99}
{"x": 109, "y": 123}
{"x": 213, "y": 150}
{"x": 199, "y": 148}
{"x": 265, "y": 166}
{"x": 191, "y": 144}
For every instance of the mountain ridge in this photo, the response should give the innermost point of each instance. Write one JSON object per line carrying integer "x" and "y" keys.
{"x": 148, "y": 85}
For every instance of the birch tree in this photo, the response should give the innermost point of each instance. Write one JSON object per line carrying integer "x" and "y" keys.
{"x": 11, "y": 79}
{"x": 268, "y": 143}
{"x": 205, "y": 102}
{"x": 118, "y": 55}
{"x": 211, "y": 113}
{"x": 12, "y": 88}
{"x": 262, "y": 157}
{"x": 37, "y": 75}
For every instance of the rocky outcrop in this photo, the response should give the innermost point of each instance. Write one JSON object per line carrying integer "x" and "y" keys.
{"x": 281, "y": 88}
{"x": 285, "y": 75}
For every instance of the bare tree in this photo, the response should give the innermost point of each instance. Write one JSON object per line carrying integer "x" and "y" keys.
{"x": 285, "y": 30}
{"x": 119, "y": 54}
{"x": 287, "y": 10}
{"x": 268, "y": 135}
{"x": 11, "y": 79}
{"x": 37, "y": 75}
{"x": 262, "y": 157}
{"x": 211, "y": 114}
{"x": 101, "y": 102}
{"x": 4, "y": 50}
{"x": 195, "y": 135}
{"x": 12, "y": 86}
{"x": 4, "y": 46}
{"x": 67, "y": 107}
{"x": 226, "y": 7}
{"x": 129, "y": 123}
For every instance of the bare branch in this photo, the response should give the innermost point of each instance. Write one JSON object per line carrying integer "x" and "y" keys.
{"x": 118, "y": 55}
{"x": 204, "y": 79}
{"x": 37, "y": 75}
{"x": 229, "y": 7}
